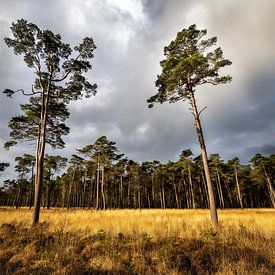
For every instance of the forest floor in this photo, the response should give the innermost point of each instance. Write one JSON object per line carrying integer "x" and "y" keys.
{"x": 137, "y": 242}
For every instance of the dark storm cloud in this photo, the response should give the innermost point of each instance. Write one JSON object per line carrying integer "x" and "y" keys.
{"x": 130, "y": 36}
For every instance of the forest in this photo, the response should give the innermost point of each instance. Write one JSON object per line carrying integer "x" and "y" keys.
{"x": 100, "y": 177}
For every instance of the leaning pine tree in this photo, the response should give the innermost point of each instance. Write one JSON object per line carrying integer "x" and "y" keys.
{"x": 59, "y": 78}
{"x": 188, "y": 63}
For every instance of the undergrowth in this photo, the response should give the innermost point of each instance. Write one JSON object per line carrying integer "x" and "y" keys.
{"x": 38, "y": 250}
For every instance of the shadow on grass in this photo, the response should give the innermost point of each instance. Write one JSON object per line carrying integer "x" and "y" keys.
{"x": 38, "y": 251}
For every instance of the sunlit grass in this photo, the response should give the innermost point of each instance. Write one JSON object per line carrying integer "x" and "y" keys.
{"x": 154, "y": 222}
{"x": 137, "y": 242}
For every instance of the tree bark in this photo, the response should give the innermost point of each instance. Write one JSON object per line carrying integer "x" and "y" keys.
{"x": 220, "y": 188}
{"x": 238, "y": 187}
{"x": 213, "y": 210}
{"x": 102, "y": 188}
{"x": 270, "y": 188}
{"x": 41, "y": 143}
{"x": 97, "y": 186}
{"x": 191, "y": 187}
{"x": 40, "y": 159}
{"x": 176, "y": 194}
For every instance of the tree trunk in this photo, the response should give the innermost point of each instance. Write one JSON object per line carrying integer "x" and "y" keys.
{"x": 213, "y": 210}
{"x": 40, "y": 150}
{"x": 238, "y": 187}
{"x": 102, "y": 188}
{"x": 48, "y": 199}
{"x": 220, "y": 188}
{"x": 160, "y": 198}
{"x": 191, "y": 187}
{"x": 270, "y": 188}
{"x": 84, "y": 189}
{"x": 39, "y": 172}
{"x": 121, "y": 197}
{"x": 176, "y": 194}
{"x": 139, "y": 199}
{"x": 163, "y": 196}
{"x": 31, "y": 191}
{"x": 97, "y": 186}
{"x": 153, "y": 192}
{"x": 205, "y": 188}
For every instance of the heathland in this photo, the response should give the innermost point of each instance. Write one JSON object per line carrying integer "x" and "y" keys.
{"x": 137, "y": 242}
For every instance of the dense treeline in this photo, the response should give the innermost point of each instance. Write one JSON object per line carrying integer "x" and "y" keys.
{"x": 100, "y": 177}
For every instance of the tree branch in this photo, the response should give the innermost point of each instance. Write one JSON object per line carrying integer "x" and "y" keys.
{"x": 202, "y": 110}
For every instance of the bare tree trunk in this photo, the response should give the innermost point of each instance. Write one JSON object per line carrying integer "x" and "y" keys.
{"x": 160, "y": 198}
{"x": 270, "y": 188}
{"x": 139, "y": 199}
{"x": 121, "y": 197}
{"x": 102, "y": 188}
{"x": 186, "y": 193}
{"x": 191, "y": 187}
{"x": 220, "y": 188}
{"x": 97, "y": 186}
{"x": 69, "y": 199}
{"x": 163, "y": 197}
{"x": 205, "y": 188}
{"x": 84, "y": 189}
{"x": 148, "y": 199}
{"x": 238, "y": 187}
{"x": 153, "y": 192}
{"x": 48, "y": 199}
{"x": 129, "y": 188}
{"x": 213, "y": 210}
{"x": 176, "y": 194}
{"x": 31, "y": 191}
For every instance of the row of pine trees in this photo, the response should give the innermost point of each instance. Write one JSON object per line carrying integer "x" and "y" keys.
{"x": 99, "y": 177}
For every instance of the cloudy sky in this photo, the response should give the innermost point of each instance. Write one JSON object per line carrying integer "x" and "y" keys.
{"x": 130, "y": 36}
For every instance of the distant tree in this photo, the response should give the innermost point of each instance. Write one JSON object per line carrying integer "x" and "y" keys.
{"x": 59, "y": 78}
{"x": 189, "y": 63}
{"x": 185, "y": 160}
{"x": 216, "y": 163}
{"x": 103, "y": 152}
{"x": 264, "y": 172}
{"x": 23, "y": 167}
{"x": 52, "y": 165}
{"x": 235, "y": 164}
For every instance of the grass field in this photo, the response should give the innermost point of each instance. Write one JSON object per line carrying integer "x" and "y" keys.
{"x": 137, "y": 242}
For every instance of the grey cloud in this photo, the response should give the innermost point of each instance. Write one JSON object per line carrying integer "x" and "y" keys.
{"x": 239, "y": 117}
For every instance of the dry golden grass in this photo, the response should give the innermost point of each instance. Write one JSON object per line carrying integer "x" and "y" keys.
{"x": 137, "y": 242}
{"x": 154, "y": 222}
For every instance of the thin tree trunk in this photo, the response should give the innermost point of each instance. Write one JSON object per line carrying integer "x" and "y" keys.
{"x": 238, "y": 187}
{"x": 163, "y": 197}
{"x": 220, "y": 188}
{"x": 102, "y": 188}
{"x": 31, "y": 191}
{"x": 97, "y": 186}
{"x": 139, "y": 200}
{"x": 84, "y": 189}
{"x": 153, "y": 192}
{"x": 205, "y": 188}
{"x": 213, "y": 210}
{"x": 48, "y": 199}
{"x": 129, "y": 189}
{"x": 270, "y": 188}
{"x": 121, "y": 199}
{"x": 160, "y": 198}
{"x": 176, "y": 194}
{"x": 191, "y": 187}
